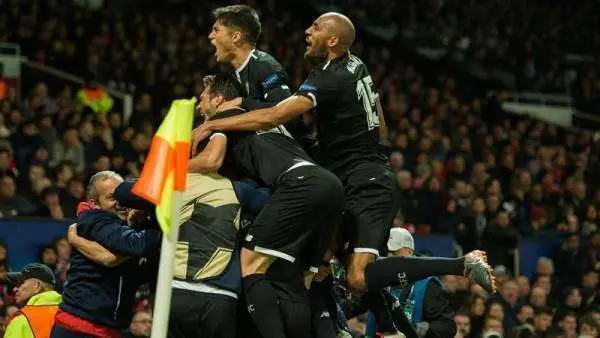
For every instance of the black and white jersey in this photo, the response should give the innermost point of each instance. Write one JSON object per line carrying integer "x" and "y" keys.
{"x": 262, "y": 156}
{"x": 264, "y": 80}
{"x": 266, "y": 84}
{"x": 341, "y": 91}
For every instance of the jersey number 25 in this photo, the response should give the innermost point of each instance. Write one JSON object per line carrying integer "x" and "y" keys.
{"x": 364, "y": 91}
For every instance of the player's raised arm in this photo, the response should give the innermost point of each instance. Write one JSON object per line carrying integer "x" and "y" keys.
{"x": 210, "y": 159}
{"x": 256, "y": 120}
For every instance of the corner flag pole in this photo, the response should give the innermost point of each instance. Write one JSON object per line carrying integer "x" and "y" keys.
{"x": 162, "y": 182}
{"x": 162, "y": 301}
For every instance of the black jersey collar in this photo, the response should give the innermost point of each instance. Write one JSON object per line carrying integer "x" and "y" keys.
{"x": 245, "y": 63}
{"x": 336, "y": 60}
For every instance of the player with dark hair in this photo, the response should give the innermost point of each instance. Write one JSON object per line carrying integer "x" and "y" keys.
{"x": 298, "y": 221}
{"x": 234, "y": 35}
{"x": 340, "y": 91}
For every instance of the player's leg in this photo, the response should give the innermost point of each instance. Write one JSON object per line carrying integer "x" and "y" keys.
{"x": 260, "y": 296}
{"x": 202, "y": 315}
{"x": 297, "y": 318}
{"x": 281, "y": 231}
{"x": 324, "y": 314}
{"x": 184, "y": 316}
{"x": 219, "y": 317}
{"x": 371, "y": 202}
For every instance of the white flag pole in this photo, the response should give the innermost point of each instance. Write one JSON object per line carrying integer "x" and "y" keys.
{"x": 162, "y": 301}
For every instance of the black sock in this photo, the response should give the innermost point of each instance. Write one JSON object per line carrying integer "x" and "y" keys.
{"x": 402, "y": 271}
{"x": 263, "y": 307}
{"x": 323, "y": 309}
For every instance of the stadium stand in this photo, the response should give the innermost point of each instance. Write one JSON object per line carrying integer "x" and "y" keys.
{"x": 468, "y": 168}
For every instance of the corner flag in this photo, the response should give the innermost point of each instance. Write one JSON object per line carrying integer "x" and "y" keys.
{"x": 166, "y": 166}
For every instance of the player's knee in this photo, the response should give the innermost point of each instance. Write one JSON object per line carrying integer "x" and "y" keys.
{"x": 356, "y": 281}
{"x": 253, "y": 262}
{"x": 356, "y": 271}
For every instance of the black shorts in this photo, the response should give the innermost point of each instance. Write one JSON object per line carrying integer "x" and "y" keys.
{"x": 296, "y": 318}
{"x": 303, "y": 212}
{"x": 372, "y": 201}
{"x": 202, "y": 315}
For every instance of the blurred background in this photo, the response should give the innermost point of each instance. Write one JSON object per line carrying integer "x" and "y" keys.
{"x": 493, "y": 110}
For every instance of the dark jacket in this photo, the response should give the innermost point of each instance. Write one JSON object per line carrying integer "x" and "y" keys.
{"x": 105, "y": 295}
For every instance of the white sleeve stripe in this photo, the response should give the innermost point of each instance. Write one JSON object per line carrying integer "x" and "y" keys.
{"x": 313, "y": 98}
{"x": 282, "y": 87}
{"x": 217, "y": 134}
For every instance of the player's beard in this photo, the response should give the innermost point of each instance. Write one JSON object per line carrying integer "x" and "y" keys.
{"x": 316, "y": 53}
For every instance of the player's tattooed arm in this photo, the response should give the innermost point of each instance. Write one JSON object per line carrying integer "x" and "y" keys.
{"x": 256, "y": 120}
{"x": 211, "y": 158}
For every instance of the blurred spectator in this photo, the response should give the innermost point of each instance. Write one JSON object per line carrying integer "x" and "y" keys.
{"x": 476, "y": 309}
{"x": 463, "y": 324}
{"x": 69, "y": 149}
{"x": 7, "y": 166}
{"x": 568, "y": 260}
{"x": 538, "y": 297}
{"x": 568, "y": 322}
{"x": 509, "y": 295}
{"x": 49, "y": 257}
{"x": 141, "y": 325}
{"x": 12, "y": 204}
{"x": 492, "y": 327}
{"x": 500, "y": 238}
{"x": 524, "y": 286}
{"x": 525, "y": 314}
{"x": 588, "y": 327}
{"x": 572, "y": 301}
{"x": 542, "y": 319}
{"x": 589, "y": 289}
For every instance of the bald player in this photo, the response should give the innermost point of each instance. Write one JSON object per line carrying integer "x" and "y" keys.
{"x": 340, "y": 91}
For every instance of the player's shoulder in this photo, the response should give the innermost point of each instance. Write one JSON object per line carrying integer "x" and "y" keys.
{"x": 229, "y": 113}
{"x": 265, "y": 60}
{"x": 350, "y": 65}
{"x": 347, "y": 67}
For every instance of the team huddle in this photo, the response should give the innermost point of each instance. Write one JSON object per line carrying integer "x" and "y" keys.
{"x": 331, "y": 196}
{"x": 267, "y": 205}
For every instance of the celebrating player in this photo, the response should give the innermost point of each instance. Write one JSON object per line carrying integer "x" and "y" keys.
{"x": 340, "y": 90}
{"x": 297, "y": 222}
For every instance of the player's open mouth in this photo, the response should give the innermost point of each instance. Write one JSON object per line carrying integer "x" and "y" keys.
{"x": 308, "y": 43}
{"x": 214, "y": 48}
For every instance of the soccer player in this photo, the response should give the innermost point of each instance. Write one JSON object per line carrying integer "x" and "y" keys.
{"x": 295, "y": 225}
{"x": 340, "y": 90}
{"x": 234, "y": 35}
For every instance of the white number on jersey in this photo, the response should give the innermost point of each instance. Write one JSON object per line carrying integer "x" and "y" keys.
{"x": 364, "y": 91}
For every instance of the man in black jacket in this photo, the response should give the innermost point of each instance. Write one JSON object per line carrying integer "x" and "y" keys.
{"x": 98, "y": 300}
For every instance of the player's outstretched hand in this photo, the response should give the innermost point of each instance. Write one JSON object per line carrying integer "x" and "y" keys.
{"x": 199, "y": 134}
